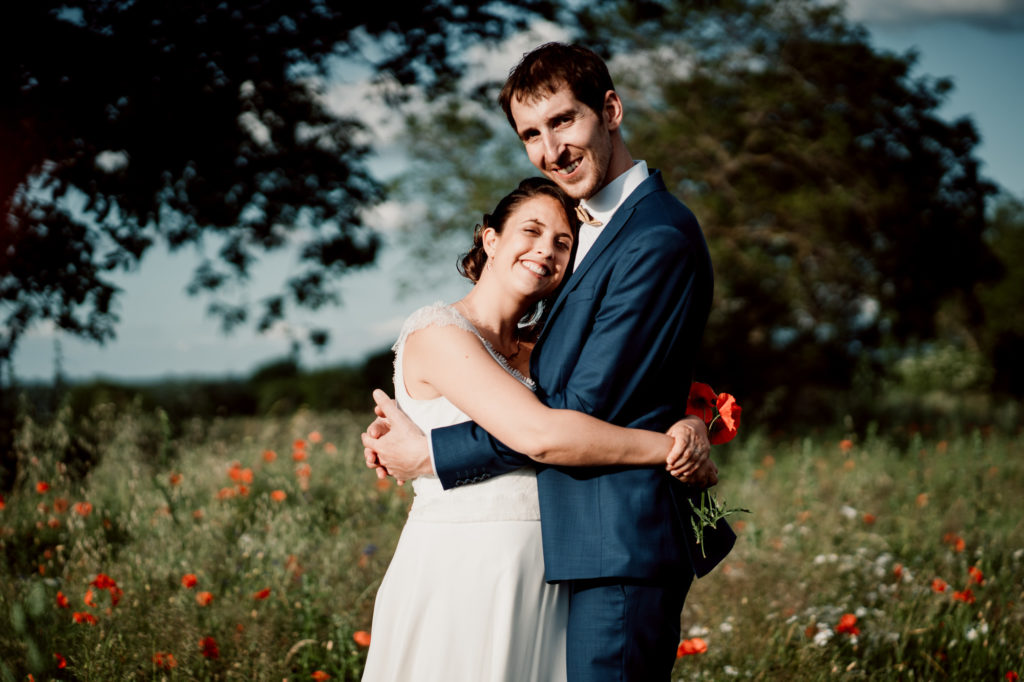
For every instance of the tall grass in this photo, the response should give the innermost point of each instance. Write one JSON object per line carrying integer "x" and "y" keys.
{"x": 281, "y": 524}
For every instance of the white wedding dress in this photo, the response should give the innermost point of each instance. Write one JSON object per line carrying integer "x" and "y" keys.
{"x": 464, "y": 599}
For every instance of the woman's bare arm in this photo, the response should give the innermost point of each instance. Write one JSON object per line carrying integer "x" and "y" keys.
{"x": 452, "y": 362}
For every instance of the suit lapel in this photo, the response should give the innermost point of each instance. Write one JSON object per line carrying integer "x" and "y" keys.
{"x": 622, "y": 216}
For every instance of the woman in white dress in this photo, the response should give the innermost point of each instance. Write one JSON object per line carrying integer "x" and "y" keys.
{"x": 464, "y": 598}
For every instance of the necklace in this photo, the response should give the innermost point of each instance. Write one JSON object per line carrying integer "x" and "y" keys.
{"x": 464, "y": 309}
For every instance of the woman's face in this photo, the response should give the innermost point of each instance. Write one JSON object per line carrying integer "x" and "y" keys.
{"x": 531, "y": 254}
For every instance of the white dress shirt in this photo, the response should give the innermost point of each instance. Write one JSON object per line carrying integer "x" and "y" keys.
{"x": 603, "y": 205}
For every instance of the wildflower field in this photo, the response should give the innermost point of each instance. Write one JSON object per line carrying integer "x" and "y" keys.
{"x": 252, "y": 549}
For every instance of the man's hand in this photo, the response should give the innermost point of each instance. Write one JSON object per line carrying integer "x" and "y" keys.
{"x": 395, "y": 443}
{"x": 690, "y": 452}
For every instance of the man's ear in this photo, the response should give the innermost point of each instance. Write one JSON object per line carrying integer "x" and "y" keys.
{"x": 612, "y": 111}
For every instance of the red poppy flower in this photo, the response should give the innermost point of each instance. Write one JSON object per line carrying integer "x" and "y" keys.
{"x": 1011, "y": 676}
{"x": 977, "y": 577}
{"x": 262, "y": 594}
{"x": 897, "y": 571}
{"x": 83, "y": 509}
{"x": 278, "y": 496}
{"x": 62, "y": 601}
{"x": 164, "y": 660}
{"x": 869, "y": 519}
{"x": 689, "y": 647}
{"x": 103, "y": 582}
{"x": 315, "y": 437}
{"x": 61, "y": 663}
{"x": 845, "y": 445}
{"x": 967, "y": 596}
{"x": 299, "y": 456}
{"x": 2, "y": 503}
{"x": 303, "y": 471}
{"x": 724, "y": 428}
{"x": 362, "y": 638}
{"x": 208, "y": 646}
{"x": 955, "y": 541}
{"x": 204, "y": 598}
{"x": 939, "y": 585}
{"x": 60, "y": 505}
{"x": 189, "y": 580}
{"x": 701, "y": 401}
{"x": 81, "y": 617}
{"x": 848, "y": 624}
{"x": 42, "y": 487}
{"x": 89, "y": 598}
{"x": 299, "y": 444}
{"x": 320, "y": 676}
{"x": 269, "y": 455}
{"x": 175, "y": 479}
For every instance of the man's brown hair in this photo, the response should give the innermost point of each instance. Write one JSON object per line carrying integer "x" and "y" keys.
{"x": 546, "y": 69}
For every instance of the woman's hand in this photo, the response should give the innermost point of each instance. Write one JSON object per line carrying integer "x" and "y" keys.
{"x": 688, "y": 460}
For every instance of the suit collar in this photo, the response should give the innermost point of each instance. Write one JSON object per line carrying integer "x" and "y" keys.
{"x": 653, "y": 183}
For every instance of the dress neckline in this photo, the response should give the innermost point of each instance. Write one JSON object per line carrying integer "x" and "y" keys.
{"x": 501, "y": 359}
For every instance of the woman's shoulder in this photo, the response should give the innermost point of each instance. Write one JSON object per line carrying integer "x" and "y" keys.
{"x": 438, "y": 314}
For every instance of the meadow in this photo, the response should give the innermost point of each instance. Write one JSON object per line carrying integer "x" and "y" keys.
{"x": 251, "y": 549}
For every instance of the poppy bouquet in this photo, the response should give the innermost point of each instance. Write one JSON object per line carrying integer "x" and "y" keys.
{"x": 721, "y": 414}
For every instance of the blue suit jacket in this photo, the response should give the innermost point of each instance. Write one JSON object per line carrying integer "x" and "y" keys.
{"x": 618, "y": 344}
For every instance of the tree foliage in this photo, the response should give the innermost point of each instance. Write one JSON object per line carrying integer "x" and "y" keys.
{"x": 842, "y": 212}
{"x": 124, "y": 124}
{"x": 840, "y": 208}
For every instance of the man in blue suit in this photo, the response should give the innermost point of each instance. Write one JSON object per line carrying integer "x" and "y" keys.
{"x": 619, "y": 343}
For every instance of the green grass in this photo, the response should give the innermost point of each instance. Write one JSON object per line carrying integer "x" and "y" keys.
{"x": 828, "y": 529}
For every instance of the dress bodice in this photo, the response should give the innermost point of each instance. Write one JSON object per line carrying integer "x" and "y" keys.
{"x": 510, "y": 497}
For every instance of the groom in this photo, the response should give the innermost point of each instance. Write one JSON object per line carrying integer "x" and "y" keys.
{"x": 619, "y": 344}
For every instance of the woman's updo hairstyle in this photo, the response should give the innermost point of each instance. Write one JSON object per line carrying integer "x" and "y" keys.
{"x": 471, "y": 265}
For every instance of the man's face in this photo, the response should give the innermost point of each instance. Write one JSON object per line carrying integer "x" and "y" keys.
{"x": 566, "y": 140}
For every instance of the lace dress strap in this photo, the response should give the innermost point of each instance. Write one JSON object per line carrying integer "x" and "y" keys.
{"x": 443, "y": 315}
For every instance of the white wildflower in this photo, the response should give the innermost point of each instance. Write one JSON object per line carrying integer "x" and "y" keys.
{"x": 730, "y": 671}
{"x": 697, "y": 631}
{"x": 848, "y": 512}
{"x": 726, "y": 627}
{"x": 823, "y": 635}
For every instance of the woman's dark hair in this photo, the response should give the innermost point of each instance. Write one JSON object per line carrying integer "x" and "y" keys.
{"x": 472, "y": 263}
{"x": 551, "y": 66}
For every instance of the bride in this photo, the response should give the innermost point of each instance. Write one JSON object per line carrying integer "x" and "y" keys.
{"x": 464, "y": 598}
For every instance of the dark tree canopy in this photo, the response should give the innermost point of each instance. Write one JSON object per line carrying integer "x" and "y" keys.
{"x": 843, "y": 213}
{"x": 127, "y": 123}
{"x": 841, "y": 210}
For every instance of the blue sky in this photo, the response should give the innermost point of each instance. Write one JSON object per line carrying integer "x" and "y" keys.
{"x": 163, "y": 332}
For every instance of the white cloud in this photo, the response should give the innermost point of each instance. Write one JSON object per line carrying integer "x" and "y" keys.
{"x": 391, "y": 216}
{"x": 992, "y": 14}
{"x": 110, "y": 161}
{"x": 43, "y": 329}
{"x": 492, "y": 62}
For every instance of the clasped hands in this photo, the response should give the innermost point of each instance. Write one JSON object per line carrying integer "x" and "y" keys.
{"x": 394, "y": 446}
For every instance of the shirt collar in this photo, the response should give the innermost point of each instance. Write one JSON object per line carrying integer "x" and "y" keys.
{"x": 602, "y": 206}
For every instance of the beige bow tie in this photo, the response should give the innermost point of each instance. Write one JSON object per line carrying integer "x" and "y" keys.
{"x": 585, "y": 217}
